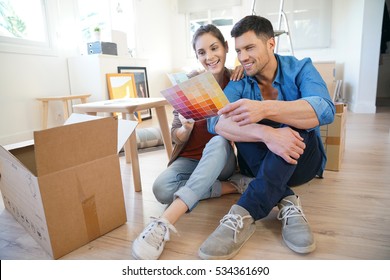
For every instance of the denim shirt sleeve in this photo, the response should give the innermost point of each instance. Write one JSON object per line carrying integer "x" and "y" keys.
{"x": 323, "y": 107}
{"x": 211, "y": 123}
{"x": 313, "y": 89}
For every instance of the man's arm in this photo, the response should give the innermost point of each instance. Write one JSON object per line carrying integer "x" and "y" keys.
{"x": 305, "y": 108}
{"x": 298, "y": 113}
{"x": 285, "y": 142}
{"x": 229, "y": 129}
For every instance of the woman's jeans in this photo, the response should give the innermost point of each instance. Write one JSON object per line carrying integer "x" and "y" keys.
{"x": 192, "y": 180}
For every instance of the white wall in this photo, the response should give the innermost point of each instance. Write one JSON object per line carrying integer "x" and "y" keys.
{"x": 161, "y": 36}
{"x": 357, "y": 34}
{"x": 24, "y": 77}
{"x": 155, "y": 39}
{"x": 364, "y": 100}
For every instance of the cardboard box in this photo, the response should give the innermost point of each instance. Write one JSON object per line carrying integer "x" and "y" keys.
{"x": 327, "y": 72}
{"x": 65, "y": 187}
{"x": 333, "y": 137}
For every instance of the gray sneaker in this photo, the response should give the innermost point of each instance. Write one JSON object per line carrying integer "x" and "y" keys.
{"x": 150, "y": 243}
{"x": 240, "y": 182}
{"x": 231, "y": 234}
{"x": 296, "y": 231}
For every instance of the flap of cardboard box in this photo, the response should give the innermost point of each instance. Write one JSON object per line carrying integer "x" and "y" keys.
{"x": 125, "y": 127}
{"x": 63, "y": 147}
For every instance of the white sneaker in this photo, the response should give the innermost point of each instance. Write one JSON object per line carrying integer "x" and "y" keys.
{"x": 150, "y": 243}
{"x": 240, "y": 182}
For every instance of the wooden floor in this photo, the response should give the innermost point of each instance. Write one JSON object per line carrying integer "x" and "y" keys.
{"x": 348, "y": 210}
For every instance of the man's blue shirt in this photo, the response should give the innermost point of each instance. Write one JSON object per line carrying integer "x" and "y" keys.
{"x": 295, "y": 79}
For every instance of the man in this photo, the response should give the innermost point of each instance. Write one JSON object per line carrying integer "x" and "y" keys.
{"x": 274, "y": 119}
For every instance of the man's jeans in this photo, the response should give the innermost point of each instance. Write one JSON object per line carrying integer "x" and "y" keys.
{"x": 274, "y": 176}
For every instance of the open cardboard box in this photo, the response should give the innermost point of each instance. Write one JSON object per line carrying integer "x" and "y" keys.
{"x": 65, "y": 187}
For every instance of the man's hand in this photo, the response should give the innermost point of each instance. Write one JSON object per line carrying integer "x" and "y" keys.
{"x": 244, "y": 111}
{"x": 286, "y": 143}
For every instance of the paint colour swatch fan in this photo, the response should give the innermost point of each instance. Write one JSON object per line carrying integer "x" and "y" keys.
{"x": 197, "y": 98}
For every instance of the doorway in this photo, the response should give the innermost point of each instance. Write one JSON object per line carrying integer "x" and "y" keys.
{"x": 383, "y": 86}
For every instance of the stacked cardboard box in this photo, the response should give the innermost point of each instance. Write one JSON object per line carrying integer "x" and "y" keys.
{"x": 65, "y": 187}
{"x": 333, "y": 137}
{"x": 327, "y": 72}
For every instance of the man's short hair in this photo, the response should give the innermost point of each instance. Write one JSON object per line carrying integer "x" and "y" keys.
{"x": 260, "y": 25}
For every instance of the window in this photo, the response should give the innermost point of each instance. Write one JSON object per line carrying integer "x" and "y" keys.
{"x": 222, "y": 18}
{"x": 108, "y": 15}
{"x": 309, "y": 22}
{"x": 93, "y": 14}
{"x": 23, "y": 27}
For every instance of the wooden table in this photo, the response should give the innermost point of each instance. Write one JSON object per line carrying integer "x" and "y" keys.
{"x": 128, "y": 107}
{"x": 64, "y": 99}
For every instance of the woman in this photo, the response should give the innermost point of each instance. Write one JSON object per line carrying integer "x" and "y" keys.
{"x": 201, "y": 162}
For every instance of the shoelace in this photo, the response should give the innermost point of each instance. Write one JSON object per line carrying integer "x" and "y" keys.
{"x": 290, "y": 211}
{"x": 234, "y": 222}
{"x": 157, "y": 232}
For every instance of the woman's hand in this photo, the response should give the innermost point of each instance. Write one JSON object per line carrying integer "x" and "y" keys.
{"x": 184, "y": 132}
{"x": 237, "y": 73}
{"x": 187, "y": 124}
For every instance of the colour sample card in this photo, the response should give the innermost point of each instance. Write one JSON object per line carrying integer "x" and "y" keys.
{"x": 197, "y": 98}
